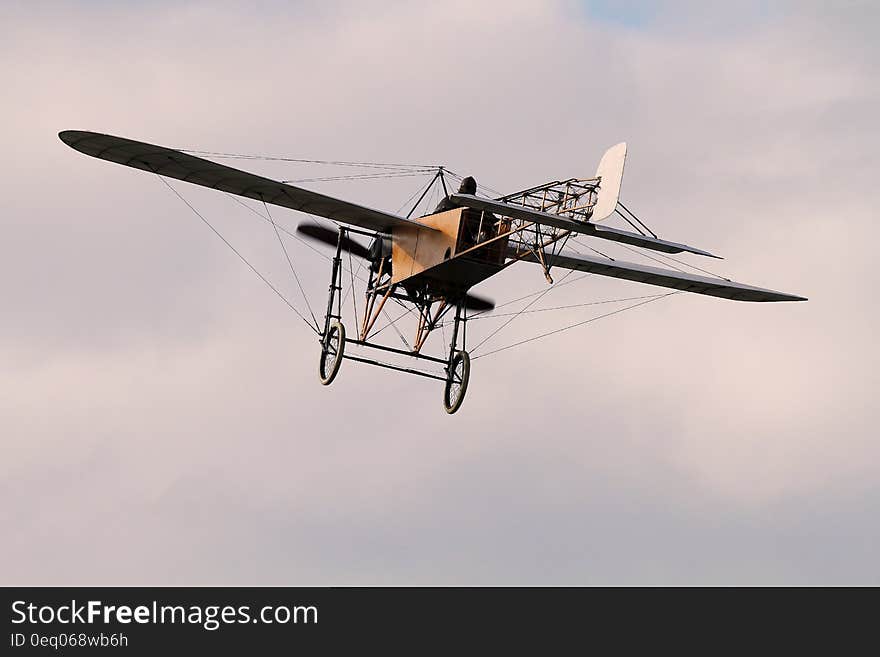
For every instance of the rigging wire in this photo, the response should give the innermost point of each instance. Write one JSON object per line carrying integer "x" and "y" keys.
{"x": 640, "y": 253}
{"x": 569, "y": 307}
{"x": 292, "y": 269}
{"x": 571, "y": 326}
{"x": 530, "y": 303}
{"x": 407, "y": 311}
{"x": 396, "y": 330}
{"x": 291, "y": 234}
{"x": 341, "y": 163}
{"x": 656, "y": 257}
{"x": 481, "y": 313}
{"x": 282, "y": 228}
{"x": 362, "y": 176}
{"x": 236, "y": 252}
{"x": 421, "y": 189}
{"x": 687, "y": 264}
{"x": 354, "y": 274}
{"x": 459, "y": 178}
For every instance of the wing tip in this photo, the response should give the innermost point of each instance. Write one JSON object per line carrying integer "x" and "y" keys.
{"x": 777, "y": 297}
{"x": 67, "y": 136}
{"x": 71, "y": 137}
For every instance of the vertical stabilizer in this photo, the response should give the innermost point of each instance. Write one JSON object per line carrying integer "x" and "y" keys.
{"x": 611, "y": 173}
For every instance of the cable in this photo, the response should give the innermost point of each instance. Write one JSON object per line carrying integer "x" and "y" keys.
{"x": 522, "y": 298}
{"x": 362, "y": 176}
{"x": 459, "y": 177}
{"x": 341, "y": 163}
{"x": 571, "y": 326}
{"x": 533, "y": 301}
{"x": 282, "y": 228}
{"x": 291, "y": 234}
{"x": 576, "y": 305}
{"x": 292, "y": 270}
{"x": 687, "y": 264}
{"x": 644, "y": 255}
{"x": 236, "y": 252}
{"x": 416, "y": 193}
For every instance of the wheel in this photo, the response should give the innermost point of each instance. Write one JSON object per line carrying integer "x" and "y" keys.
{"x": 332, "y": 348}
{"x": 456, "y": 381}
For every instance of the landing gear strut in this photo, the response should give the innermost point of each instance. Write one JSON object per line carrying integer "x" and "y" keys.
{"x": 333, "y": 336}
{"x": 458, "y": 369}
{"x": 456, "y": 365}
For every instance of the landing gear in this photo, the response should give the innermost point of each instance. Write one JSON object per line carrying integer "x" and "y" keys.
{"x": 458, "y": 367}
{"x": 456, "y": 381}
{"x": 456, "y": 363}
{"x": 332, "y": 349}
{"x": 333, "y": 336}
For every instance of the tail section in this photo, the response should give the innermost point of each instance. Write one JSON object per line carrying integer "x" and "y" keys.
{"x": 610, "y": 172}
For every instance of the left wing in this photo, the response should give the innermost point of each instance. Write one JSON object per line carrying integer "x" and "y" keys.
{"x": 189, "y": 168}
{"x": 587, "y": 228}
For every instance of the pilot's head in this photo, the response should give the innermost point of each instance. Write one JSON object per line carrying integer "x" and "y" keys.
{"x": 468, "y": 186}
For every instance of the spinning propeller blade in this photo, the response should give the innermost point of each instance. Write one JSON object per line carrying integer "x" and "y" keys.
{"x": 473, "y": 302}
{"x": 330, "y": 237}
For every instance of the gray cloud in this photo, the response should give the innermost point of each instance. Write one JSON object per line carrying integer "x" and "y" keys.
{"x": 161, "y": 418}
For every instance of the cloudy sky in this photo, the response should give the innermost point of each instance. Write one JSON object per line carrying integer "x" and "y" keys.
{"x": 161, "y": 421}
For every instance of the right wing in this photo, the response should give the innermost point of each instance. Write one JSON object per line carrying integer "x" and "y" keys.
{"x": 196, "y": 170}
{"x": 715, "y": 287}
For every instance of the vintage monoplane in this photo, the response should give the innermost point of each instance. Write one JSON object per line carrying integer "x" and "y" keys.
{"x": 430, "y": 263}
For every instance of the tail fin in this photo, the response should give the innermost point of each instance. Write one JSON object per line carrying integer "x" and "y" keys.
{"x": 611, "y": 173}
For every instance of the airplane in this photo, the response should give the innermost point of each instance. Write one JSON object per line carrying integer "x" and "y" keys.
{"x": 430, "y": 263}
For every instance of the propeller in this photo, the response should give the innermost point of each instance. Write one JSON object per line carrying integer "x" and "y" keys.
{"x": 330, "y": 237}
{"x": 473, "y": 302}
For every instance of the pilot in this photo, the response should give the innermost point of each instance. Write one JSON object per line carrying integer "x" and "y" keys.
{"x": 468, "y": 186}
{"x": 471, "y": 233}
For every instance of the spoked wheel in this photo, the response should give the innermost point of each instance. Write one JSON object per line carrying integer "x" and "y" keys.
{"x": 332, "y": 348}
{"x": 456, "y": 381}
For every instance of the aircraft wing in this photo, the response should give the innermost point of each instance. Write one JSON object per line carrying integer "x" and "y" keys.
{"x": 196, "y": 170}
{"x": 716, "y": 287}
{"x": 587, "y": 228}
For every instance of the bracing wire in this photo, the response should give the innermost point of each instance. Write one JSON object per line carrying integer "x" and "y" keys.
{"x": 481, "y": 313}
{"x": 529, "y": 304}
{"x": 581, "y": 323}
{"x": 480, "y": 185}
{"x": 420, "y": 190}
{"x": 290, "y": 233}
{"x": 236, "y": 252}
{"x": 341, "y": 163}
{"x": 363, "y": 176}
{"x": 687, "y": 264}
{"x": 558, "y": 308}
{"x": 292, "y": 269}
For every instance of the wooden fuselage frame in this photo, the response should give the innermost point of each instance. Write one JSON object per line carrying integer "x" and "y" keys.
{"x": 448, "y": 259}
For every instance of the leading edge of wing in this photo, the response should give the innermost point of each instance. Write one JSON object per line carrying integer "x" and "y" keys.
{"x": 716, "y": 287}
{"x": 199, "y": 171}
{"x": 602, "y": 232}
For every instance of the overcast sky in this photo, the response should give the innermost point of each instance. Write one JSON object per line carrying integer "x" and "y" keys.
{"x": 161, "y": 420}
